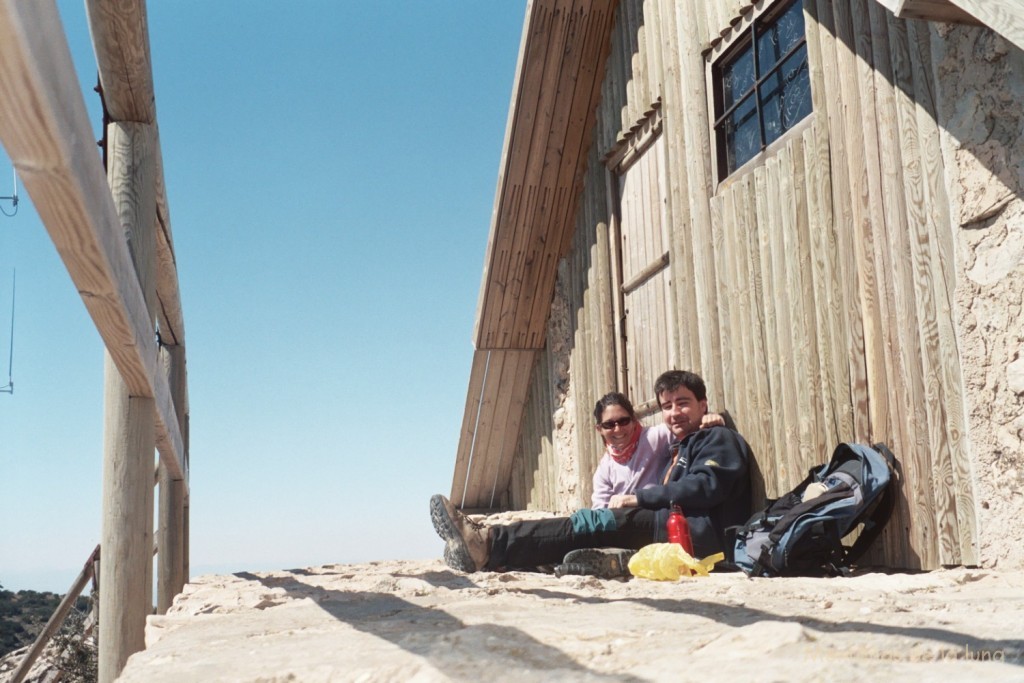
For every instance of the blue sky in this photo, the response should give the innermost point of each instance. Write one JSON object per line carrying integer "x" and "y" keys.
{"x": 330, "y": 169}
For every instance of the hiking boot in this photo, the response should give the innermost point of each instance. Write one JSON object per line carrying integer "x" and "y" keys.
{"x": 467, "y": 544}
{"x": 604, "y": 563}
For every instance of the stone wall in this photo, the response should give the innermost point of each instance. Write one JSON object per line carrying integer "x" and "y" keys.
{"x": 560, "y": 346}
{"x": 980, "y": 99}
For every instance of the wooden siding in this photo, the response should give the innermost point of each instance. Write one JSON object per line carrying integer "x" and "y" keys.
{"x": 852, "y": 257}
{"x": 547, "y": 140}
{"x": 556, "y": 90}
{"x": 583, "y": 330}
{"x": 812, "y": 288}
{"x": 490, "y": 428}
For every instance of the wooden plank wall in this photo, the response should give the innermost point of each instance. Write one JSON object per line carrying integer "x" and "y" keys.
{"x": 832, "y": 264}
{"x": 650, "y": 317}
{"x": 584, "y": 279}
{"x": 812, "y": 290}
{"x": 491, "y": 426}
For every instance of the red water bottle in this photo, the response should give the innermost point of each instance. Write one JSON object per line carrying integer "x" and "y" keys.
{"x": 678, "y": 530}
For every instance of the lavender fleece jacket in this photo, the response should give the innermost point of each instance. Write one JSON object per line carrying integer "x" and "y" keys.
{"x": 643, "y": 469}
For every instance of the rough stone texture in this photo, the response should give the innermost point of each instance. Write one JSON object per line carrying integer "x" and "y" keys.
{"x": 420, "y": 621}
{"x": 980, "y": 96}
{"x": 560, "y": 346}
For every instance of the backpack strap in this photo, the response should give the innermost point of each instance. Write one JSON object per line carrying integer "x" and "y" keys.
{"x": 880, "y": 514}
{"x": 730, "y": 543}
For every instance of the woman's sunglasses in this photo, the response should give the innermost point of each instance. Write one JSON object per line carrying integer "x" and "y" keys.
{"x": 612, "y": 424}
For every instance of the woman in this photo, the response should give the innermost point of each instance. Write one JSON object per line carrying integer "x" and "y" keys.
{"x": 635, "y": 456}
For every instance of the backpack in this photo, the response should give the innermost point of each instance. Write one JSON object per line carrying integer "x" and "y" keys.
{"x": 794, "y": 537}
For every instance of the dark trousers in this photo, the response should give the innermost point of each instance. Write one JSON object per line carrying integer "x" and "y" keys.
{"x": 526, "y": 545}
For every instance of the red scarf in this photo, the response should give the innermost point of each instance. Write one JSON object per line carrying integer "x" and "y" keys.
{"x": 623, "y": 456}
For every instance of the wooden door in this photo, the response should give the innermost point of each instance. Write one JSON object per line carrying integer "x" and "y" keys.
{"x": 646, "y": 317}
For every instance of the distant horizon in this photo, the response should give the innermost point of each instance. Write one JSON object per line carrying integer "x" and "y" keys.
{"x": 49, "y": 578}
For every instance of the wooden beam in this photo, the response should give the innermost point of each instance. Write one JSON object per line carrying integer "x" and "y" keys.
{"x": 499, "y": 387}
{"x": 503, "y": 452}
{"x": 547, "y": 137}
{"x": 1005, "y": 18}
{"x": 169, "y": 316}
{"x": 121, "y": 37}
{"x": 45, "y": 129}
{"x": 934, "y": 10}
{"x": 588, "y": 65}
{"x": 496, "y": 403}
{"x": 509, "y": 198}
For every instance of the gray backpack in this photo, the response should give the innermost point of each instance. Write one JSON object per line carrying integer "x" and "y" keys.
{"x": 801, "y": 533}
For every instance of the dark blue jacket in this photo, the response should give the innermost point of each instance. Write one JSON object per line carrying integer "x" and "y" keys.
{"x": 710, "y": 481}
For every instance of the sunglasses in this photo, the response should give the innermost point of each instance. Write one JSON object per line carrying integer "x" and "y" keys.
{"x": 612, "y": 424}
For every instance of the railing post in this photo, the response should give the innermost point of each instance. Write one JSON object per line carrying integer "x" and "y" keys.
{"x": 171, "y": 561}
{"x": 129, "y": 423}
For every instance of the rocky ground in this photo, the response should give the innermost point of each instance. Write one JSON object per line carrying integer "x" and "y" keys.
{"x": 420, "y": 621}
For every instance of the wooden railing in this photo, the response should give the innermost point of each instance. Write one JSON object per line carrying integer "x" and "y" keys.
{"x": 131, "y": 295}
{"x": 56, "y": 620}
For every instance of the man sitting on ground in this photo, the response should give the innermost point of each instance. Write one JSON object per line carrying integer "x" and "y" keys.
{"x": 707, "y": 477}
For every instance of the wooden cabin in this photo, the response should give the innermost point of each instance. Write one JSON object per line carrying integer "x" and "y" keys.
{"x": 817, "y": 205}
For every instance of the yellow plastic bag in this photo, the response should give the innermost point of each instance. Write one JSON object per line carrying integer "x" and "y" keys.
{"x": 668, "y": 562}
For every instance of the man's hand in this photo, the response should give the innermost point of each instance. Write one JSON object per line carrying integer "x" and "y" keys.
{"x": 626, "y": 500}
{"x": 712, "y": 420}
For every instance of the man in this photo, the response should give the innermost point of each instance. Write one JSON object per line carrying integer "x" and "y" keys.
{"x": 707, "y": 477}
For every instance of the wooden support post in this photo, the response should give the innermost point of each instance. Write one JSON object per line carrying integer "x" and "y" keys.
{"x": 170, "y": 567}
{"x": 184, "y": 542}
{"x": 129, "y": 423}
{"x": 171, "y": 561}
{"x": 127, "y": 534}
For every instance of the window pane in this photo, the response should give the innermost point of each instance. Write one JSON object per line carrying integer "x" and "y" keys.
{"x": 777, "y": 39}
{"x": 771, "y": 107}
{"x": 790, "y": 27}
{"x": 738, "y": 77}
{"x": 796, "y": 96}
{"x": 767, "y": 48}
{"x": 742, "y": 137}
{"x": 786, "y": 96}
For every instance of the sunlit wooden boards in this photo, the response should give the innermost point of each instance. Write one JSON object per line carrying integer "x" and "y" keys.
{"x": 561, "y": 63}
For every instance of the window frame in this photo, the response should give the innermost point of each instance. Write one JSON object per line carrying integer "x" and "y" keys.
{"x": 743, "y": 34}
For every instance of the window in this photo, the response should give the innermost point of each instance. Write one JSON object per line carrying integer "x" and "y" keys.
{"x": 762, "y": 88}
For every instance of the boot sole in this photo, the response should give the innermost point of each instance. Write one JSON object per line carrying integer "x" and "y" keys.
{"x": 456, "y": 553}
